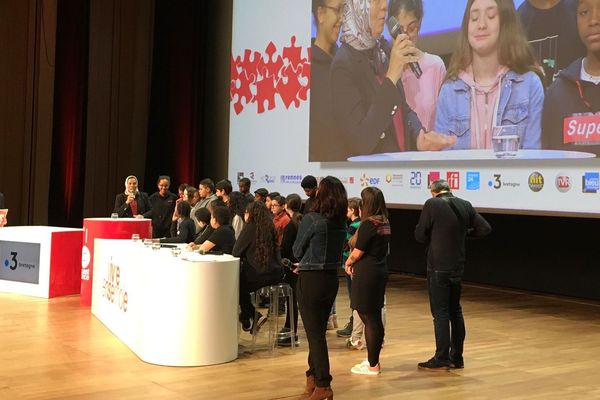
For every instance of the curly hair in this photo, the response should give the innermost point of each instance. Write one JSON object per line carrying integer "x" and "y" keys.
{"x": 265, "y": 236}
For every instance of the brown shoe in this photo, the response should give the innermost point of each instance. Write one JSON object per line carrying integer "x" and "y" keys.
{"x": 310, "y": 385}
{"x": 322, "y": 393}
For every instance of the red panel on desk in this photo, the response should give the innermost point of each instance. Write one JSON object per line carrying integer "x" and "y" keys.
{"x": 65, "y": 263}
{"x": 106, "y": 228}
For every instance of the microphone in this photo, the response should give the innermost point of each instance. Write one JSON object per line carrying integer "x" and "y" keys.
{"x": 395, "y": 29}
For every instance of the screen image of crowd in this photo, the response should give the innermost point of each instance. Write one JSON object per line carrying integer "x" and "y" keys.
{"x": 531, "y": 72}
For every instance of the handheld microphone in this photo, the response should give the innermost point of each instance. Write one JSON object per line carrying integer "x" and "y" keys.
{"x": 395, "y": 29}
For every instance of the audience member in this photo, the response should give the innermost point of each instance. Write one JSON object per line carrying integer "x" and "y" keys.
{"x": 443, "y": 226}
{"x": 223, "y": 237}
{"x": 244, "y": 187}
{"x": 237, "y": 206}
{"x": 491, "y": 81}
{"x": 186, "y": 231}
{"x": 206, "y": 188}
{"x": 280, "y": 217}
{"x": 260, "y": 194}
{"x": 319, "y": 246}
{"x": 367, "y": 266}
{"x": 132, "y": 203}
{"x": 309, "y": 185}
{"x": 259, "y": 261}
{"x": 223, "y": 189}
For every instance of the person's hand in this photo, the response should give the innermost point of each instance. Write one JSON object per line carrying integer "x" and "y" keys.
{"x": 3, "y": 221}
{"x": 434, "y": 141}
{"x": 296, "y": 269}
{"x": 349, "y": 269}
{"x": 130, "y": 198}
{"x": 403, "y": 52}
{"x": 138, "y": 216}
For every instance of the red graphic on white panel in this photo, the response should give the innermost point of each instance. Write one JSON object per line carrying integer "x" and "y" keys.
{"x": 258, "y": 77}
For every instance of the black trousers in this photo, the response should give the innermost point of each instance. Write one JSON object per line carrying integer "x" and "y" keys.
{"x": 292, "y": 279}
{"x": 449, "y": 325}
{"x": 250, "y": 281}
{"x": 316, "y": 293}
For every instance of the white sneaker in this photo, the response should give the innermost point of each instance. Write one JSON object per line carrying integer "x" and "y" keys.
{"x": 332, "y": 322}
{"x": 363, "y": 369}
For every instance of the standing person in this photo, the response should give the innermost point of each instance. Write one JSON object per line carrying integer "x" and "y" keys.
{"x": 293, "y": 203}
{"x": 244, "y": 187}
{"x": 259, "y": 261}
{"x": 309, "y": 185}
{"x": 367, "y": 266}
{"x": 575, "y": 95}
{"x": 319, "y": 246}
{"x": 132, "y": 203}
{"x": 353, "y": 215}
{"x": 280, "y": 217}
{"x": 163, "y": 206}
{"x": 421, "y": 92}
{"x": 260, "y": 194}
{"x": 543, "y": 19}
{"x": 491, "y": 80}
{"x": 326, "y": 142}
{"x": 443, "y": 226}
{"x": 369, "y": 104}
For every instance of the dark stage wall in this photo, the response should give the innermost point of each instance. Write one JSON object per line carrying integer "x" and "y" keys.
{"x": 94, "y": 90}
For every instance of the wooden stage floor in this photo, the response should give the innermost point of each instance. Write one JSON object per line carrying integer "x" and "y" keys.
{"x": 519, "y": 346}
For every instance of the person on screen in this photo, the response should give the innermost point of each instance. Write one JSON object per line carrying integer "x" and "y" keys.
{"x": 571, "y": 119}
{"x": 544, "y": 19}
{"x": 259, "y": 261}
{"x": 422, "y": 92}
{"x": 491, "y": 80}
{"x": 444, "y": 224}
{"x": 185, "y": 231}
{"x": 326, "y": 142}
{"x": 163, "y": 205}
{"x": 3, "y": 219}
{"x": 132, "y": 203}
{"x": 369, "y": 103}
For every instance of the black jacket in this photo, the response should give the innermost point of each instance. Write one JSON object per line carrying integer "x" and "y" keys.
{"x": 185, "y": 234}
{"x": 326, "y": 142}
{"x": 364, "y": 109}
{"x": 123, "y": 208}
{"x": 161, "y": 212}
{"x": 562, "y": 101}
{"x": 444, "y": 234}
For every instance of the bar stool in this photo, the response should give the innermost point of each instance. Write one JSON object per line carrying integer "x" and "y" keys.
{"x": 275, "y": 293}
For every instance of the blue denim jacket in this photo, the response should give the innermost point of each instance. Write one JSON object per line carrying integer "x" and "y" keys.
{"x": 521, "y": 102}
{"x": 319, "y": 244}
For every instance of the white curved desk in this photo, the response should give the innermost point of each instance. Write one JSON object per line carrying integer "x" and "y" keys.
{"x": 167, "y": 310}
{"x": 457, "y": 155}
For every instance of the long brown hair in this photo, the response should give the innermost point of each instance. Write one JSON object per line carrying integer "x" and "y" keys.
{"x": 331, "y": 200}
{"x": 513, "y": 49}
{"x": 373, "y": 204}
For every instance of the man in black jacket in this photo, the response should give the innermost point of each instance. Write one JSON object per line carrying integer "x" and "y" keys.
{"x": 443, "y": 226}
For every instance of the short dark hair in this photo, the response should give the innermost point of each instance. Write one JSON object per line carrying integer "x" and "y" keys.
{"x": 245, "y": 181}
{"x": 202, "y": 214}
{"x": 182, "y": 187}
{"x": 225, "y": 185}
{"x": 439, "y": 185}
{"x": 309, "y": 182}
{"x": 279, "y": 199}
{"x": 184, "y": 208}
{"x": 272, "y": 195}
{"x": 262, "y": 192}
{"x": 221, "y": 214}
{"x": 412, "y": 6}
{"x": 167, "y": 177}
{"x": 207, "y": 182}
{"x": 191, "y": 191}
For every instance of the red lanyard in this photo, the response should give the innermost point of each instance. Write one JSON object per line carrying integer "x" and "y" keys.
{"x": 580, "y": 90}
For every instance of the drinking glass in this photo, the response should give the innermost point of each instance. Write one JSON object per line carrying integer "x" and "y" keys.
{"x": 505, "y": 141}
{"x": 135, "y": 237}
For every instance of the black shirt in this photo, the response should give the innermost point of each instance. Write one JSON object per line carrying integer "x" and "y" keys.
{"x": 444, "y": 234}
{"x": 375, "y": 246}
{"x": 245, "y": 249}
{"x": 223, "y": 238}
{"x": 161, "y": 212}
{"x": 204, "y": 234}
{"x": 185, "y": 234}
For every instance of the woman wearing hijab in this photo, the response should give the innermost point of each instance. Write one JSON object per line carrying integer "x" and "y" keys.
{"x": 369, "y": 104}
{"x": 132, "y": 203}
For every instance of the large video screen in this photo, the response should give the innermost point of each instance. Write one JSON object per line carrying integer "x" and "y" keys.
{"x": 519, "y": 140}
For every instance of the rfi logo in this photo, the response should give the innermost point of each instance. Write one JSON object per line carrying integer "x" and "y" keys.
{"x": 453, "y": 178}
